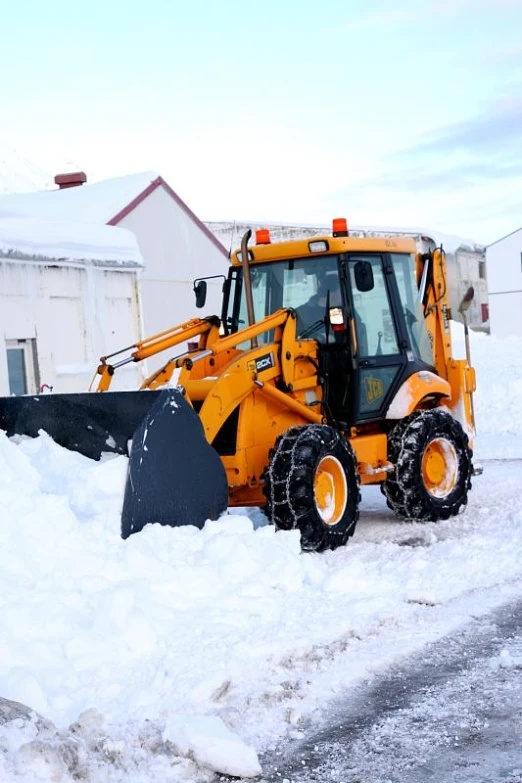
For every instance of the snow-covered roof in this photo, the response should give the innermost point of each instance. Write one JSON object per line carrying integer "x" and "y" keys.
{"x": 94, "y": 203}
{"x": 33, "y": 239}
{"x": 100, "y": 203}
{"x": 230, "y": 233}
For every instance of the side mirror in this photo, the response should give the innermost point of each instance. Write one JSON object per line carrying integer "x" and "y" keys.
{"x": 200, "y": 289}
{"x": 363, "y": 274}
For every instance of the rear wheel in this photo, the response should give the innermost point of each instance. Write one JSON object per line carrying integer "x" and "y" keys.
{"x": 312, "y": 484}
{"x": 432, "y": 460}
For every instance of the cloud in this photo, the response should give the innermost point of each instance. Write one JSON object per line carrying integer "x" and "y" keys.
{"x": 388, "y": 18}
{"x": 466, "y": 176}
{"x": 481, "y": 150}
{"x": 456, "y": 175}
{"x": 412, "y": 12}
{"x": 500, "y": 125}
{"x": 510, "y": 54}
{"x": 454, "y": 7}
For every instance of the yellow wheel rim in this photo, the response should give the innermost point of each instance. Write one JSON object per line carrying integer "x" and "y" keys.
{"x": 330, "y": 490}
{"x": 440, "y": 467}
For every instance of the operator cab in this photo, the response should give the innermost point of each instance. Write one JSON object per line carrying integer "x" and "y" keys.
{"x": 360, "y": 305}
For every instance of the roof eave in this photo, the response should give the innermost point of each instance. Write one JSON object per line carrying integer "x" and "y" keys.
{"x": 160, "y": 182}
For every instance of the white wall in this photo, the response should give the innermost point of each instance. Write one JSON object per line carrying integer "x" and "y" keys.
{"x": 505, "y": 314}
{"x": 74, "y": 314}
{"x": 175, "y": 251}
{"x": 505, "y": 284}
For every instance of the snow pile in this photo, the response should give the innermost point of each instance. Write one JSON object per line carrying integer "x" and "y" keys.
{"x": 213, "y": 744}
{"x": 506, "y": 661}
{"x": 181, "y": 653}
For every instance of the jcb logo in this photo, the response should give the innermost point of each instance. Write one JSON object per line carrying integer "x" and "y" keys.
{"x": 264, "y": 363}
{"x": 261, "y": 363}
{"x": 374, "y": 389}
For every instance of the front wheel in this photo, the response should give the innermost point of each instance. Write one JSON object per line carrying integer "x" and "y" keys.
{"x": 432, "y": 460}
{"x": 312, "y": 484}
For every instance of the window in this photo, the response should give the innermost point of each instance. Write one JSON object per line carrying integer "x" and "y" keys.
{"x": 301, "y": 283}
{"x": 404, "y": 266}
{"x": 482, "y": 270}
{"x": 21, "y": 367}
{"x": 16, "y": 371}
{"x": 374, "y": 323}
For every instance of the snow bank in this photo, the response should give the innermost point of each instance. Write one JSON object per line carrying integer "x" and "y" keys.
{"x": 181, "y": 651}
{"x": 498, "y": 399}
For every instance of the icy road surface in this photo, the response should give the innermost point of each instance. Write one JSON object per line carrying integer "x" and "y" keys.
{"x": 451, "y": 715}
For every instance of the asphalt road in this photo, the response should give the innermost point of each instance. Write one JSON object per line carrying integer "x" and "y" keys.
{"x": 454, "y": 715}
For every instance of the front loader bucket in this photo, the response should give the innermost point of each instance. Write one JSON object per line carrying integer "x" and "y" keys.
{"x": 89, "y": 423}
{"x": 174, "y": 478}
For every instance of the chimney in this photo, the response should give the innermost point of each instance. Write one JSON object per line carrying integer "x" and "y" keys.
{"x": 73, "y": 180}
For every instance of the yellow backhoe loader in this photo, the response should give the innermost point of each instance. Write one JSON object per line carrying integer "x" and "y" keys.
{"x": 329, "y": 368}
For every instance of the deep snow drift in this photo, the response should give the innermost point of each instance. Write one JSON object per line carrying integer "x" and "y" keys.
{"x": 178, "y": 652}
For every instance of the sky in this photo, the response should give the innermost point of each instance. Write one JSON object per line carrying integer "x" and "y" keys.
{"x": 395, "y": 114}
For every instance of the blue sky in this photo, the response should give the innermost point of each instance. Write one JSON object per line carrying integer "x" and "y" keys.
{"x": 389, "y": 113}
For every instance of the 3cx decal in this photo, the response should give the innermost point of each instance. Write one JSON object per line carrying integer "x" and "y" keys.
{"x": 264, "y": 362}
{"x": 373, "y": 388}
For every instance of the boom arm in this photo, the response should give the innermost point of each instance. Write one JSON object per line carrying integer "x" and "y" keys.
{"x": 201, "y": 327}
{"x": 209, "y": 343}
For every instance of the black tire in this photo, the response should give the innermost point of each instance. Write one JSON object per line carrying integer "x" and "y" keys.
{"x": 312, "y": 484}
{"x": 432, "y": 459}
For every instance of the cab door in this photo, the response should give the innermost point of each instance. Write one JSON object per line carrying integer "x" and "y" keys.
{"x": 378, "y": 344}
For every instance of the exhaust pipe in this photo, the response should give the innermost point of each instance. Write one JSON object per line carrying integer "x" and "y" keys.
{"x": 245, "y": 261}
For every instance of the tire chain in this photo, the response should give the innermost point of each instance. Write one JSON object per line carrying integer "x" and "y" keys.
{"x": 403, "y": 488}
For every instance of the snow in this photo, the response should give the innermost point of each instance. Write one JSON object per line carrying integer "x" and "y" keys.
{"x": 95, "y": 203}
{"x": 66, "y": 241}
{"x": 70, "y": 224}
{"x": 213, "y": 744}
{"x": 181, "y": 653}
{"x": 498, "y": 399}
{"x": 401, "y": 404}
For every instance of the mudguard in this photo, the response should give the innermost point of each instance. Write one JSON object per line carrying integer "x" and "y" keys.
{"x": 175, "y": 477}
